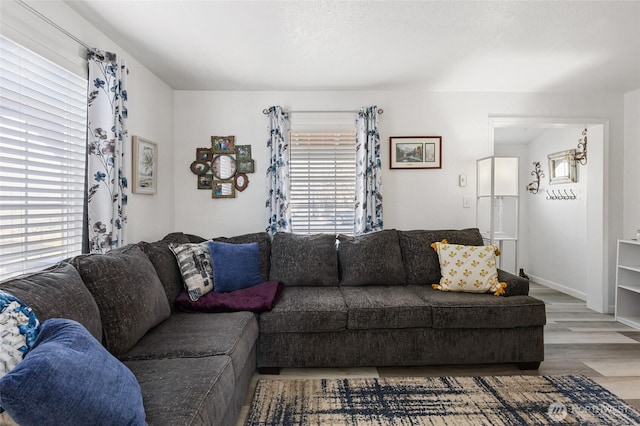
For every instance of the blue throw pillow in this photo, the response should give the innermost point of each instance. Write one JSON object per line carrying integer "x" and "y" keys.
{"x": 235, "y": 266}
{"x": 69, "y": 378}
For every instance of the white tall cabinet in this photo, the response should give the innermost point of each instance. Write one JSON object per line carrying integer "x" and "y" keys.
{"x": 628, "y": 283}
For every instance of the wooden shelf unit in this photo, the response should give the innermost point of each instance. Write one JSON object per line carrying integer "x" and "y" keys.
{"x": 628, "y": 283}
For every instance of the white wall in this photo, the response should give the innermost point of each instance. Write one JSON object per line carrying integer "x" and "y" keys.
{"x": 631, "y": 164}
{"x": 413, "y": 199}
{"x": 556, "y": 229}
{"x": 150, "y": 101}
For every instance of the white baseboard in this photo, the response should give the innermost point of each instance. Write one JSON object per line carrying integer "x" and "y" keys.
{"x": 561, "y": 288}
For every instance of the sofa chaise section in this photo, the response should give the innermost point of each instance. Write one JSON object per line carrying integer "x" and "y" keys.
{"x": 193, "y": 369}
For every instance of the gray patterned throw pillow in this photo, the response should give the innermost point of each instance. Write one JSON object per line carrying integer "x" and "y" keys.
{"x": 195, "y": 266}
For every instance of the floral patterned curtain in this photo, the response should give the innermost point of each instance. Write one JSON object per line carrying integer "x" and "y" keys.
{"x": 278, "y": 213}
{"x": 106, "y": 131}
{"x": 368, "y": 216}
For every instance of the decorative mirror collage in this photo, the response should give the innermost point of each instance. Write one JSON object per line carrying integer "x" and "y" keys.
{"x": 223, "y": 168}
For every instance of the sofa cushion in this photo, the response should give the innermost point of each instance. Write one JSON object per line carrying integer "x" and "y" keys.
{"x": 375, "y": 307}
{"x": 235, "y": 266}
{"x": 473, "y": 310}
{"x": 194, "y": 261}
{"x": 57, "y": 292}
{"x": 128, "y": 293}
{"x": 304, "y": 260}
{"x": 264, "y": 242}
{"x": 371, "y": 259}
{"x": 306, "y": 309}
{"x": 185, "y": 391}
{"x": 68, "y": 378}
{"x": 189, "y": 335}
{"x": 19, "y": 328}
{"x": 471, "y": 269}
{"x": 165, "y": 263}
{"x": 421, "y": 263}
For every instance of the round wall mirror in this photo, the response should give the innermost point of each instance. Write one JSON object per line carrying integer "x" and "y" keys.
{"x": 223, "y": 166}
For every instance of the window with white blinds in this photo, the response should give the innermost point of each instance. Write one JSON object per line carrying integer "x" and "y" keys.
{"x": 43, "y": 123}
{"x": 323, "y": 178}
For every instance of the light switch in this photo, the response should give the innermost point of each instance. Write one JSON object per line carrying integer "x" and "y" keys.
{"x": 462, "y": 180}
{"x": 466, "y": 203}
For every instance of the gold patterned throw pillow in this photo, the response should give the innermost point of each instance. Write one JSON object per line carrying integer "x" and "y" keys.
{"x": 469, "y": 269}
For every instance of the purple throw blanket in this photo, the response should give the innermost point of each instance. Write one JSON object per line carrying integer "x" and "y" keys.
{"x": 259, "y": 298}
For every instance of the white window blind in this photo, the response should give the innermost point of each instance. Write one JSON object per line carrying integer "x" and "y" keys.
{"x": 323, "y": 177}
{"x": 43, "y": 122}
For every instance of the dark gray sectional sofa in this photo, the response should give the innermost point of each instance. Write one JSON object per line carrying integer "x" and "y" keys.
{"x": 366, "y": 301}
{"x": 373, "y": 305}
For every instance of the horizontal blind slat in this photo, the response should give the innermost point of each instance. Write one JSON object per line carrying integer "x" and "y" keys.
{"x": 322, "y": 182}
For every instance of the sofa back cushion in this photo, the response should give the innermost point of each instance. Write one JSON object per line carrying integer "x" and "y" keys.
{"x": 57, "y": 292}
{"x": 128, "y": 293}
{"x": 165, "y": 264}
{"x": 371, "y": 259}
{"x": 421, "y": 262}
{"x": 304, "y": 260}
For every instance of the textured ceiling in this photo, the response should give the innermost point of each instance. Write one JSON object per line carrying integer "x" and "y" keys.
{"x": 494, "y": 46}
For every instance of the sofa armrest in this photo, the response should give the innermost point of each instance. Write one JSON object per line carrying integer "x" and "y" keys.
{"x": 516, "y": 286}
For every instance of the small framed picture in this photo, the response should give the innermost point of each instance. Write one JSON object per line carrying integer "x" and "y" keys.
{"x": 415, "y": 152}
{"x": 241, "y": 181}
{"x": 205, "y": 181}
{"x": 224, "y": 189}
{"x": 245, "y": 166}
{"x": 243, "y": 152}
{"x": 199, "y": 167}
{"x": 204, "y": 154}
{"x": 145, "y": 166}
{"x": 223, "y": 144}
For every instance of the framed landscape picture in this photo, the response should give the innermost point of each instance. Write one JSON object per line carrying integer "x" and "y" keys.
{"x": 145, "y": 166}
{"x": 415, "y": 152}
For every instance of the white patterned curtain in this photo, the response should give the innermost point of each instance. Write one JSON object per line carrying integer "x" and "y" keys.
{"x": 278, "y": 212}
{"x": 106, "y": 132}
{"x": 368, "y": 216}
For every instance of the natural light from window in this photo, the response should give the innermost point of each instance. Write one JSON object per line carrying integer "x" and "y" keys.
{"x": 323, "y": 178}
{"x": 42, "y": 160}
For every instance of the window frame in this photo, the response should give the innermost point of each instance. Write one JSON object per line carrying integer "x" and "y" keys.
{"x": 316, "y": 156}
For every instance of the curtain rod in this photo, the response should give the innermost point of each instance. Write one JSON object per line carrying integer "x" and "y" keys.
{"x": 266, "y": 111}
{"x": 57, "y": 27}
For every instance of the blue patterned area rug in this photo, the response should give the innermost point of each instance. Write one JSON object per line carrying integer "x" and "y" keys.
{"x": 494, "y": 400}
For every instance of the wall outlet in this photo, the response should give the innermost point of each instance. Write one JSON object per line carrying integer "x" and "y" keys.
{"x": 466, "y": 202}
{"x": 462, "y": 180}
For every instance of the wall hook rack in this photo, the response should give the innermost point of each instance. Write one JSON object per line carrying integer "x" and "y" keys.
{"x": 561, "y": 195}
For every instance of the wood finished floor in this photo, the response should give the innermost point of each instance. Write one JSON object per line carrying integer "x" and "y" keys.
{"x": 577, "y": 341}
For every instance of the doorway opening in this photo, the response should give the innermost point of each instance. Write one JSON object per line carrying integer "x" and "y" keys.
{"x": 562, "y": 242}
